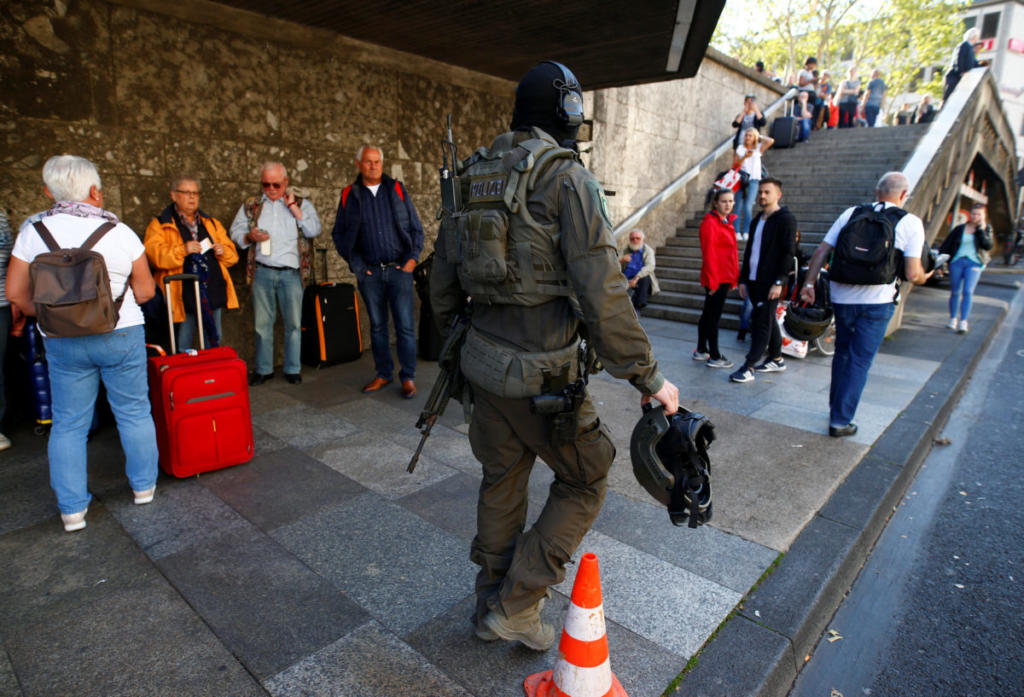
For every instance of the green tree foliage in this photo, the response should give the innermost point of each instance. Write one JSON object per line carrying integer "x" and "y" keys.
{"x": 900, "y": 37}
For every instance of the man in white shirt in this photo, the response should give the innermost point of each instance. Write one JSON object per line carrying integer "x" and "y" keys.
{"x": 276, "y": 228}
{"x": 78, "y": 363}
{"x": 862, "y": 312}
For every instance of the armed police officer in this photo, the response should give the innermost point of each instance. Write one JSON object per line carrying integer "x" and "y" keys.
{"x": 531, "y": 244}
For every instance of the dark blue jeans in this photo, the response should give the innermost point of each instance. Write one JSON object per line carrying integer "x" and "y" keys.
{"x": 385, "y": 288}
{"x": 871, "y": 113}
{"x": 860, "y": 330}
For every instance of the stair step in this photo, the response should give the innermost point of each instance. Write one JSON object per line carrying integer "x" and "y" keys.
{"x": 821, "y": 178}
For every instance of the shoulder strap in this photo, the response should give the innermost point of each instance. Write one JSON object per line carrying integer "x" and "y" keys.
{"x": 398, "y": 190}
{"x": 97, "y": 234}
{"x": 344, "y": 195}
{"x": 44, "y": 233}
{"x": 95, "y": 237}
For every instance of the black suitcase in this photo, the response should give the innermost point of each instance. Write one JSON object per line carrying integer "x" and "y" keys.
{"x": 330, "y": 323}
{"x": 784, "y": 130}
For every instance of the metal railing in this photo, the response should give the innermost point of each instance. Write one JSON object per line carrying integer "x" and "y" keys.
{"x": 692, "y": 173}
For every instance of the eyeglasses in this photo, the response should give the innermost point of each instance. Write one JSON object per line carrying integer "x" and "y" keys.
{"x": 272, "y": 185}
{"x": 186, "y": 193}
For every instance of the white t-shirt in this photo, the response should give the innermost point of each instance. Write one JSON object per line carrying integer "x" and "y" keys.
{"x": 120, "y": 247}
{"x": 909, "y": 239}
{"x": 755, "y": 247}
{"x": 751, "y": 165}
{"x": 806, "y": 75}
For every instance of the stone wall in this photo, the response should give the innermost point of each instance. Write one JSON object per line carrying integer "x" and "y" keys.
{"x": 145, "y": 95}
{"x": 147, "y": 89}
{"x": 647, "y": 135}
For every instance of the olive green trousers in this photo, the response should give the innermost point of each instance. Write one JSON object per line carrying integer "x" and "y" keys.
{"x": 518, "y": 565}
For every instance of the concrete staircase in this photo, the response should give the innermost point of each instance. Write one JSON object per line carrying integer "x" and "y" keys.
{"x": 821, "y": 178}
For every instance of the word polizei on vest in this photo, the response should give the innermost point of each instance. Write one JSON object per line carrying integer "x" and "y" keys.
{"x": 488, "y": 187}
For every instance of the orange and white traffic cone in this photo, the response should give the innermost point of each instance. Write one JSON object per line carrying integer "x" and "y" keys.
{"x": 582, "y": 668}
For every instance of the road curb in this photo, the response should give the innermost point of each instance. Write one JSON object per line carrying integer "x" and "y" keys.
{"x": 760, "y": 649}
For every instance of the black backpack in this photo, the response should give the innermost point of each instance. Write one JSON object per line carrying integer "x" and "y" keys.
{"x": 865, "y": 253}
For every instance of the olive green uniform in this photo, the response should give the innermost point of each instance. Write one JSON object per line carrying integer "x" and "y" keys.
{"x": 535, "y": 205}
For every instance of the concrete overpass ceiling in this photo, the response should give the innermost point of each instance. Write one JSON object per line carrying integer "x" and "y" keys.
{"x": 607, "y": 43}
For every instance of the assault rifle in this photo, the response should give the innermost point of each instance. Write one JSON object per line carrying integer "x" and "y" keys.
{"x": 449, "y": 382}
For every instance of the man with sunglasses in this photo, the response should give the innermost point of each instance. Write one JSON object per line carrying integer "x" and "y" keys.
{"x": 276, "y": 229}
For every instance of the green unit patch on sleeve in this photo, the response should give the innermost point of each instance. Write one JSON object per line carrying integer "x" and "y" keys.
{"x": 597, "y": 193}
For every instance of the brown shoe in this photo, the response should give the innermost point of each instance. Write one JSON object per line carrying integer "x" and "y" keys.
{"x": 376, "y": 384}
{"x": 408, "y": 389}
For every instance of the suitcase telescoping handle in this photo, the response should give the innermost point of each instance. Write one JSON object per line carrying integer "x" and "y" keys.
{"x": 313, "y": 279}
{"x": 170, "y": 313}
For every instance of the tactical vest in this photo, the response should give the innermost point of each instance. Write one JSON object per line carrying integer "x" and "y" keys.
{"x": 503, "y": 255}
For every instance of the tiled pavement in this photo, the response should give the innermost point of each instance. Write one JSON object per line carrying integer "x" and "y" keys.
{"x": 323, "y": 568}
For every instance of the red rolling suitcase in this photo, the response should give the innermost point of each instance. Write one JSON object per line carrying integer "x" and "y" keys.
{"x": 200, "y": 404}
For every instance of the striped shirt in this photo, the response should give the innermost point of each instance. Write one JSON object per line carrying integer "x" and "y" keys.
{"x": 6, "y": 243}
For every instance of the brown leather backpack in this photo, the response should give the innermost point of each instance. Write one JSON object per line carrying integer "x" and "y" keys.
{"x": 71, "y": 288}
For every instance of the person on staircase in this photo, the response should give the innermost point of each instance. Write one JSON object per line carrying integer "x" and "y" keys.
{"x": 750, "y": 117}
{"x": 638, "y": 267}
{"x": 719, "y": 272}
{"x": 848, "y": 95}
{"x": 748, "y": 159}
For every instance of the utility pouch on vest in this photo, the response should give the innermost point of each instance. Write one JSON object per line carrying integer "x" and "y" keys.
{"x": 505, "y": 372}
{"x": 484, "y": 238}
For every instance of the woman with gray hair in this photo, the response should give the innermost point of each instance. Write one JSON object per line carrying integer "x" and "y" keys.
{"x": 962, "y": 60}
{"x": 79, "y": 357}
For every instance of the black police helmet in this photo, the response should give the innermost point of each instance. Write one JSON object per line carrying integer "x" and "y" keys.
{"x": 549, "y": 97}
{"x": 670, "y": 461}
{"x": 806, "y": 323}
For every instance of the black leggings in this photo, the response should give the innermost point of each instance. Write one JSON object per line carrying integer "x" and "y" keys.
{"x": 707, "y": 328}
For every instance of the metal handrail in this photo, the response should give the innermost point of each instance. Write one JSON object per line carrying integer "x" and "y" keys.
{"x": 691, "y": 174}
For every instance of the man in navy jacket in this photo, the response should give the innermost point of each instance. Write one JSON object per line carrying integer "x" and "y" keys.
{"x": 378, "y": 232}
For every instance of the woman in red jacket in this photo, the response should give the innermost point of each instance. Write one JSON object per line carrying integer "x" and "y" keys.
{"x": 719, "y": 272}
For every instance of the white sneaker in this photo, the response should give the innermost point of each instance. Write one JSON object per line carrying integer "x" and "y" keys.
{"x": 963, "y": 327}
{"x": 698, "y": 356}
{"x": 951, "y": 324}
{"x": 146, "y": 496}
{"x": 73, "y": 521}
{"x": 5, "y": 442}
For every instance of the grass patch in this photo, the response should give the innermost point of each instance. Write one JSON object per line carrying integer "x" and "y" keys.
{"x": 695, "y": 658}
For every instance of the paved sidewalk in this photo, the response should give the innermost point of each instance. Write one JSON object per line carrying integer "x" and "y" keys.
{"x": 323, "y": 568}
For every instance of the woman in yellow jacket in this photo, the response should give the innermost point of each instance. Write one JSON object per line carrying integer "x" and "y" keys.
{"x": 183, "y": 239}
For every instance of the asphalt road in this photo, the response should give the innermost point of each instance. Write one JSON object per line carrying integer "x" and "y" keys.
{"x": 937, "y": 610}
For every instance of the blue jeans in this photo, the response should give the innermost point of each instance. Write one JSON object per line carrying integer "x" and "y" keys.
{"x": 871, "y": 113}
{"x": 805, "y": 129}
{"x": 5, "y": 330}
{"x": 383, "y": 288}
{"x": 745, "y": 207}
{"x": 273, "y": 289}
{"x": 184, "y": 332}
{"x": 859, "y": 333}
{"x": 77, "y": 365}
{"x": 963, "y": 279}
